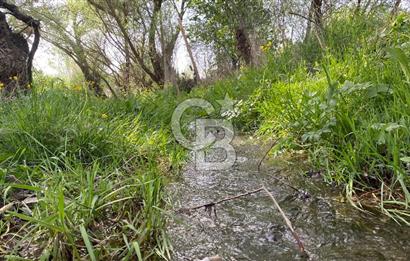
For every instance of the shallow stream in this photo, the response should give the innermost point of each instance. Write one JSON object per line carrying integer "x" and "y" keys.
{"x": 251, "y": 228}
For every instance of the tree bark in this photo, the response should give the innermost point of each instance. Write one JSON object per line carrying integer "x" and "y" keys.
{"x": 92, "y": 79}
{"x": 243, "y": 44}
{"x": 318, "y": 15}
{"x": 315, "y": 17}
{"x": 396, "y": 8}
{"x": 127, "y": 69}
{"x": 358, "y": 6}
{"x": 91, "y": 75}
{"x": 197, "y": 78}
{"x": 16, "y": 59}
{"x": 152, "y": 49}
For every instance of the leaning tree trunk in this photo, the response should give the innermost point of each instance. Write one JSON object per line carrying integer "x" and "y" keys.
{"x": 15, "y": 56}
{"x": 92, "y": 78}
{"x": 396, "y": 8}
{"x": 155, "y": 58}
{"x": 14, "y": 53}
{"x": 188, "y": 46}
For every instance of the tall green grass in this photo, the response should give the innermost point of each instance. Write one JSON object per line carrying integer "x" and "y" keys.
{"x": 94, "y": 169}
{"x": 349, "y": 109}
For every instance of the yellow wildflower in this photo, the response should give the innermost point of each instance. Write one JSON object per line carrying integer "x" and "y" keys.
{"x": 104, "y": 116}
{"x": 265, "y": 48}
{"x": 77, "y": 88}
{"x": 1, "y": 85}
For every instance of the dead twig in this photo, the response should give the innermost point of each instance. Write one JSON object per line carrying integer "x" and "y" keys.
{"x": 287, "y": 221}
{"x": 209, "y": 206}
{"x": 275, "y": 178}
{"x": 304, "y": 17}
{"x": 285, "y": 218}
{"x": 25, "y": 202}
{"x": 6, "y": 208}
{"x": 266, "y": 154}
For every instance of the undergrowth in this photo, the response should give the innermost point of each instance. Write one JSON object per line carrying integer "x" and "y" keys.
{"x": 83, "y": 177}
{"x": 348, "y": 108}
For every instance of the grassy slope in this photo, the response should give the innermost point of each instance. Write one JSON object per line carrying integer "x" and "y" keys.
{"x": 98, "y": 167}
{"x": 92, "y": 164}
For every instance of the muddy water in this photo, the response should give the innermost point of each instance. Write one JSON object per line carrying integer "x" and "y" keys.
{"x": 251, "y": 228}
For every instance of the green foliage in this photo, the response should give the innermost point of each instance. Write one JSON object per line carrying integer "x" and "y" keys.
{"x": 399, "y": 55}
{"x": 94, "y": 168}
{"x": 216, "y": 22}
{"x": 352, "y": 114}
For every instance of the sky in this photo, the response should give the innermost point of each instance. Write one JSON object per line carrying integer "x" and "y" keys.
{"x": 48, "y": 61}
{"x": 45, "y": 60}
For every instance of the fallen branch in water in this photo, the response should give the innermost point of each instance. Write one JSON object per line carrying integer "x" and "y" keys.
{"x": 282, "y": 213}
{"x": 209, "y": 206}
{"x": 275, "y": 178}
{"x": 266, "y": 154}
{"x": 288, "y": 222}
{"x": 212, "y": 205}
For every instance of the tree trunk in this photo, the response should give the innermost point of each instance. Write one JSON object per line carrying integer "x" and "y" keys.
{"x": 316, "y": 17}
{"x": 16, "y": 59}
{"x": 189, "y": 49}
{"x": 14, "y": 52}
{"x": 127, "y": 69}
{"x": 155, "y": 58}
{"x": 92, "y": 79}
{"x": 358, "y": 6}
{"x": 396, "y": 8}
{"x": 243, "y": 44}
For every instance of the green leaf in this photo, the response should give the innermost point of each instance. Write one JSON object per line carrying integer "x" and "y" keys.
{"x": 350, "y": 87}
{"x": 375, "y": 90}
{"x": 405, "y": 159}
{"x": 393, "y": 126}
{"x": 25, "y": 187}
{"x": 87, "y": 243}
{"x": 40, "y": 222}
{"x": 399, "y": 55}
{"x": 137, "y": 250}
{"x": 61, "y": 211}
